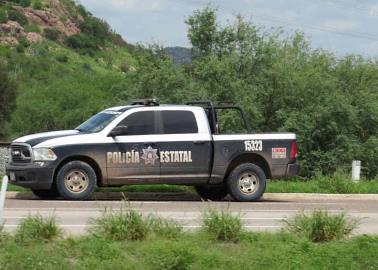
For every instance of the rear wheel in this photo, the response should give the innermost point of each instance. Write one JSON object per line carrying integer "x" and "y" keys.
{"x": 47, "y": 194}
{"x": 76, "y": 180}
{"x": 246, "y": 182}
{"x": 213, "y": 193}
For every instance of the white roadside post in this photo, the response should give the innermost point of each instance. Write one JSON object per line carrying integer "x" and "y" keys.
{"x": 3, "y": 193}
{"x": 356, "y": 170}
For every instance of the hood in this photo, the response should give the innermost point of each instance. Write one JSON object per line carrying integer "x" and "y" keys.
{"x": 38, "y": 138}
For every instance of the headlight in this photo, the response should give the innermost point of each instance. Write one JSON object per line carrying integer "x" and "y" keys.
{"x": 43, "y": 154}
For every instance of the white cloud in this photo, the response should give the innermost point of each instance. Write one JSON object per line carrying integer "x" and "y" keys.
{"x": 340, "y": 24}
{"x": 128, "y": 5}
{"x": 373, "y": 10}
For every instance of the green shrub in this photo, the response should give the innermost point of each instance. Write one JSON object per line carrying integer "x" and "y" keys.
{"x": 223, "y": 226}
{"x": 62, "y": 58}
{"x": 3, "y": 16}
{"x": 22, "y": 44}
{"x": 97, "y": 28}
{"x": 52, "y": 34}
{"x": 32, "y": 28}
{"x": 37, "y": 228}
{"x": 164, "y": 228}
{"x": 126, "y": 224}
{"x": 176, "y": 256}
{"x": 339, "y": 182}
{"x": 81, "y": 41}
{"x": 23, "y": 3}
{"x": 14, "y": 15}
{"x": 125, "y": 67}
{"x": 320, "y": 226}
{"x": 37, "y": 4}
{"x": 8, "y": 95}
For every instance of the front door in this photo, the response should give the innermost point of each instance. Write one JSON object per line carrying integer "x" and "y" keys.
{"x": 132, "y": 157}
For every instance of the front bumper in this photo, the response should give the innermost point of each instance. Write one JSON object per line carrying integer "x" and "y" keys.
{"x": 31, "y": 175}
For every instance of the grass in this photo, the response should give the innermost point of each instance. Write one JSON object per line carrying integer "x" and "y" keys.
{"x": 128, "y": 224}
{"x": 325, "y": 185}
{"x": 223, "y": 226}
{"x": 125, "y": 224}
{"x": 192, "y": 251}
{"x": 320, "y": 226}
{"x": 37, "y": 228}
{"x": 164, "y": 228}
{"x": 148, "y": 188}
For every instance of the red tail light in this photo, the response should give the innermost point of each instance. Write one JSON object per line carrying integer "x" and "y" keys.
{"x": 294, "y": 150}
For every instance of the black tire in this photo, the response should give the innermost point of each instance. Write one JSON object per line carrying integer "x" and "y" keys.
{"x": 46, "y": 194}
{"x": 213, "y": 193}
{"x": 76, "y": 180}
{"x": 246, "y": 183}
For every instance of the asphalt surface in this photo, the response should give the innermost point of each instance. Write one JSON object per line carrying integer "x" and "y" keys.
{"x": 265, "y": 215}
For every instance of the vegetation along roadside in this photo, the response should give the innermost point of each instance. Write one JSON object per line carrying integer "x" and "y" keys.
{"x": 318, "y": 240}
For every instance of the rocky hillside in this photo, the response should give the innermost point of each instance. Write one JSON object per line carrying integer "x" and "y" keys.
{"x": 66, "y": 63}
{"x": 63, "y": 21}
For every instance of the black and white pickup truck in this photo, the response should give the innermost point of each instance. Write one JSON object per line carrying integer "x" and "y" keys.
{"x": 149, "y": 143}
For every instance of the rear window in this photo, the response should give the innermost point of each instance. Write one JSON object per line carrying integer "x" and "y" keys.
{"x": 178, "y": 122}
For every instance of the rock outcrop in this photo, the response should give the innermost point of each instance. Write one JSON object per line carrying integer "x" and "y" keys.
{"x": 54, "y": 16}
{"x": 50, "y": 18}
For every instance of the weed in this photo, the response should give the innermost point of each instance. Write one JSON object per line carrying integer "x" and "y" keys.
{"x": 338, "y": 183}
{"x": 37, "y": 227}
{"x": 125, "y": 224}
{"x": 320, "y": 226}
{"x": 223, "y": 226}
{"x": 176, "y": 256}
{"x": 164, "y": 228}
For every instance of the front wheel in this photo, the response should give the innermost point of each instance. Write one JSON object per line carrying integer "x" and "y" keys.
{"x": 246, "y": 182}
{"x": 213, "y": 193}
{"x": 76, "y": 180}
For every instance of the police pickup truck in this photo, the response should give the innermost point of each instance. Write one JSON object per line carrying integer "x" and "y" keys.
{"x": 149, "y": 143}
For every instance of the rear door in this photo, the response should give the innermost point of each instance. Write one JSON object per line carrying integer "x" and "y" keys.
{"x": 185, "y": 146}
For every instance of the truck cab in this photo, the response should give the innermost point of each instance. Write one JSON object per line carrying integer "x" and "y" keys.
{"x": 149, "y": 143}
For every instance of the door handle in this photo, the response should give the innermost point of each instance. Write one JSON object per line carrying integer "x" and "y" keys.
{"x": 199, "y": 142}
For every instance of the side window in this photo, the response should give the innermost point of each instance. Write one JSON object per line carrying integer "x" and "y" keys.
{"x": 178, "y": 122}
{"x": 140, "y": 123}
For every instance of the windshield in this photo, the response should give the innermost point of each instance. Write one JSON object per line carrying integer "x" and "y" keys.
{"x": 98, "y": 122}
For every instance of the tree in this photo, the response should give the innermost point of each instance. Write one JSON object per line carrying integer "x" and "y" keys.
{"x": 7, "y": 98}
{"x": 202, "y": 31}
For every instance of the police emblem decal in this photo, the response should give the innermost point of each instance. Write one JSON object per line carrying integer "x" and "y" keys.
{"x": 149, "y": 155}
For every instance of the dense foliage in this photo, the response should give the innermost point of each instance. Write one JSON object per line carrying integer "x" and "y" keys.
{"x": 282, "y": 83}
{"x": 7, "y": 97}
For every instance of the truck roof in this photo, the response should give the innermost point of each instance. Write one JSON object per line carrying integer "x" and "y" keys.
{"x": 125, "y": 108}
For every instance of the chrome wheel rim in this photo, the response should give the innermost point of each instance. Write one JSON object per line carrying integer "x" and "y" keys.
{"x": 248, "y": 183}
{"x": 76, "y": 181}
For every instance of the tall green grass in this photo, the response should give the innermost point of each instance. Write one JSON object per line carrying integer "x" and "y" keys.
{"x": 191, "y": 251}
{"x": 125, "y": 224}
{"x": 223, "y": 226}
{"x": 128, "y": 224}
{"x": 165, "y": 228}
{"x": 338, "y": 183}
{"x": 320, "y": 226}
{"x": 37, "y": 228}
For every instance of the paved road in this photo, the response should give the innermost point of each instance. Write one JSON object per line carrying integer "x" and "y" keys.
{"x": 265, "y": 215}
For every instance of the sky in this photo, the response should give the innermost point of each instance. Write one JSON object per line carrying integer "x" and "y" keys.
{"x": 341, "y": 26}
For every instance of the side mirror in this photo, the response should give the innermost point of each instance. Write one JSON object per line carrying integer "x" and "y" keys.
{"x": 118, "y": 131}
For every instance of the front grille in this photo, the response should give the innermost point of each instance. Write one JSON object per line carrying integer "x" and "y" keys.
{"x": 20, "y": 153}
